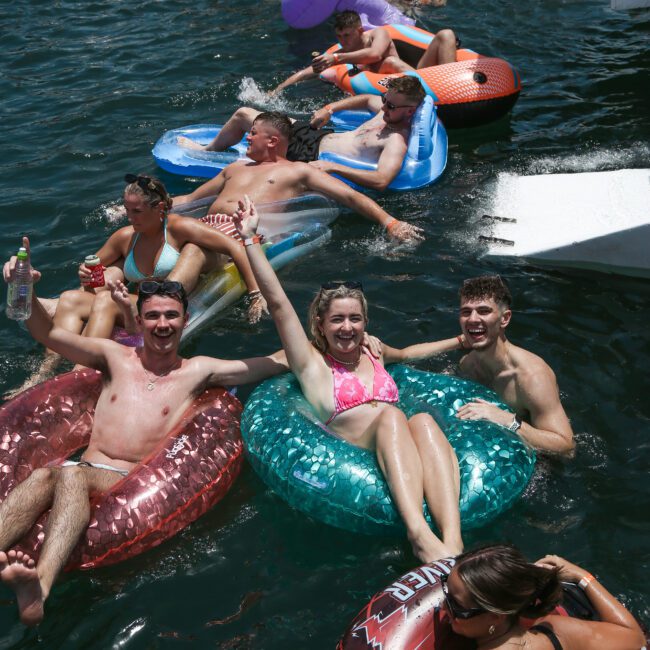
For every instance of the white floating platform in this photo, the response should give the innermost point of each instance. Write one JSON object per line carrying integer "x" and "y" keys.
{"x": 596, "y": 220}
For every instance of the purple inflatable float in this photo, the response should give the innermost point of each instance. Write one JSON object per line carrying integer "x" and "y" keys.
{"x": 303, "y": 14}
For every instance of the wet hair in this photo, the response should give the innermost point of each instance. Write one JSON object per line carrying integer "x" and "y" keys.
{"x": 410, "y": 87}
{"x": 345, "y": 19}
{"x": 502, "y": 581}
{"x": 179, "y": 295}
{"x": 320, "y": 305}
{"x": 151, "y": 189}
{"x": 279, "y": 121}
{"x": 486, "y": 286}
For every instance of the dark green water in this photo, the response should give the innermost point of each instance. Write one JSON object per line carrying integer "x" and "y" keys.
{"x": 86, "y": 90}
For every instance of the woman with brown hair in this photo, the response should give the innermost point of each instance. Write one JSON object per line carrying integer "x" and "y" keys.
{"x": 490, "y": 590}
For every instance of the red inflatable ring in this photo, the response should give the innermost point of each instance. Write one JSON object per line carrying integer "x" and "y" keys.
{"x": 408, "y": 614}
{"x": 191, "y": 470}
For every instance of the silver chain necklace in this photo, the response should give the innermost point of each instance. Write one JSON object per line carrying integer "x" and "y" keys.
{"x": 346, "y": 363}
{"x": 152, "y": 382}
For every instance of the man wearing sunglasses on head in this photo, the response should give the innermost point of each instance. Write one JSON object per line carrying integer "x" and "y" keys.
{"x": 382, "y": 140}
{"x": 154, "y": 377}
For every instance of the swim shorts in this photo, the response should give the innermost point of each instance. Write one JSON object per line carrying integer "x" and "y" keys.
{"x": 305, "y": 142}
{"x": 85, "y": 463}
{"x": 223, "y": 223}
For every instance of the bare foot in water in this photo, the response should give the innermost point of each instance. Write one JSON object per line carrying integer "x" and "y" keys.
{"x": 182, "y": 141}
{"x": 428, "y": 548}
{"x": 18, "y": 571}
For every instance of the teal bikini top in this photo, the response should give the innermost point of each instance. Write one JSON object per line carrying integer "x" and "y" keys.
{"x": 166, "y": 261}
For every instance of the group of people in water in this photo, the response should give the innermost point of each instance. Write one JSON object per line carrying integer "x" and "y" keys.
{"x": 339, "y": 367}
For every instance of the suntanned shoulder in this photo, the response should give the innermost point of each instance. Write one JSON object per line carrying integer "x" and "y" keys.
{"x": 529, "y": 365}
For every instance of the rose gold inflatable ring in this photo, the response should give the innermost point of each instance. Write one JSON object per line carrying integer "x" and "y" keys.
{"x": 192, "y": 468}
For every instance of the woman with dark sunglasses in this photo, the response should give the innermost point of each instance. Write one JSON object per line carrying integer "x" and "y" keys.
{"x": 355, "y": 397}
{"x": 489, "y": 591}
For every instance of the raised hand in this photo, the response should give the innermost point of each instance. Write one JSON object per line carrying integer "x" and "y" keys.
{"x": 373, "y": 345}
{"x": 8, "y": 269}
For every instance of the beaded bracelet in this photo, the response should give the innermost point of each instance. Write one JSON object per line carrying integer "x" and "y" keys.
{"x": 391, "y": 224}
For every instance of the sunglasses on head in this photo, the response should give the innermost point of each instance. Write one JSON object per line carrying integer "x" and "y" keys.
{"x": 391, "y": 107}
{"x": 144, "y": 182}
{"x": 456, "y": 609}
{"x": 164, "y": 288}
{"x": 169, "y": 287}
{"x": 353, "y": 284}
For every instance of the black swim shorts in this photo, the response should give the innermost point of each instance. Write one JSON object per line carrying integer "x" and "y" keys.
{"x": 305, "y": 142}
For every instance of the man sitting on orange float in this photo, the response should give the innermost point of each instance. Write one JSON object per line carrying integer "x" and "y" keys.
{"x": 373, "y": 50}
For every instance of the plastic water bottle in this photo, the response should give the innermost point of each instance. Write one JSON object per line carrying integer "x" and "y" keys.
{"x": 19, "y": 291}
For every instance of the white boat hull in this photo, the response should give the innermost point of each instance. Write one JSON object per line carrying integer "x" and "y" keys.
{"x": 595, "y": 220}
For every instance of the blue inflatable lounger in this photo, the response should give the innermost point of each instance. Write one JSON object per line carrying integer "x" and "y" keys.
{"x": 424, "y": 162}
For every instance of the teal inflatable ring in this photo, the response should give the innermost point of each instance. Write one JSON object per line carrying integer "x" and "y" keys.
{"x": 329, "y": 479}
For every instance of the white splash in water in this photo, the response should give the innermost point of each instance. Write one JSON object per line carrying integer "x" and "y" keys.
{"x": 113, "y": 212}
{"x": 251, "y": 93}
{"x": 592, "y": 161}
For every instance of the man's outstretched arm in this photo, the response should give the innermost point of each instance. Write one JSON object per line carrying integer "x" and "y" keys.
{"x": 318, "y": 181}
{"x": 295, "y": 78}
{"x": 223, "y": 372}
{"x": 321, "y": 116}
{"x": 209, "y": 188}
{"x": 388, "y": 166}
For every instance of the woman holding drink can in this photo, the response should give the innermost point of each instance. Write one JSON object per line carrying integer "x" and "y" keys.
{"x": 148, "y": 248}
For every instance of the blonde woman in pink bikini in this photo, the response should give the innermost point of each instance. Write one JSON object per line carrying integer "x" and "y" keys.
{"x": 354, "y": 395}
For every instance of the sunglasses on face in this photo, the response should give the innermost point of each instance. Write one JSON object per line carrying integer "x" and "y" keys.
{"x": 391, "y": 107}
{"x": 455, "y": 608}
{"x": 338, "y": 283}
{"x": 144, "y": 182}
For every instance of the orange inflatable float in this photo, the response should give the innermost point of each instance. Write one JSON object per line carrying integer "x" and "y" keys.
{"x": 474, "y": 90}
{"x": 191, "y": 470}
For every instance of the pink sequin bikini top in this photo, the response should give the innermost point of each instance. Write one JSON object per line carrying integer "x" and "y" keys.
{"x": 349, "y": 390}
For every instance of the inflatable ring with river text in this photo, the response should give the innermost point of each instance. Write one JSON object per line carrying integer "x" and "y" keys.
{"x": 409, "y": 614}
